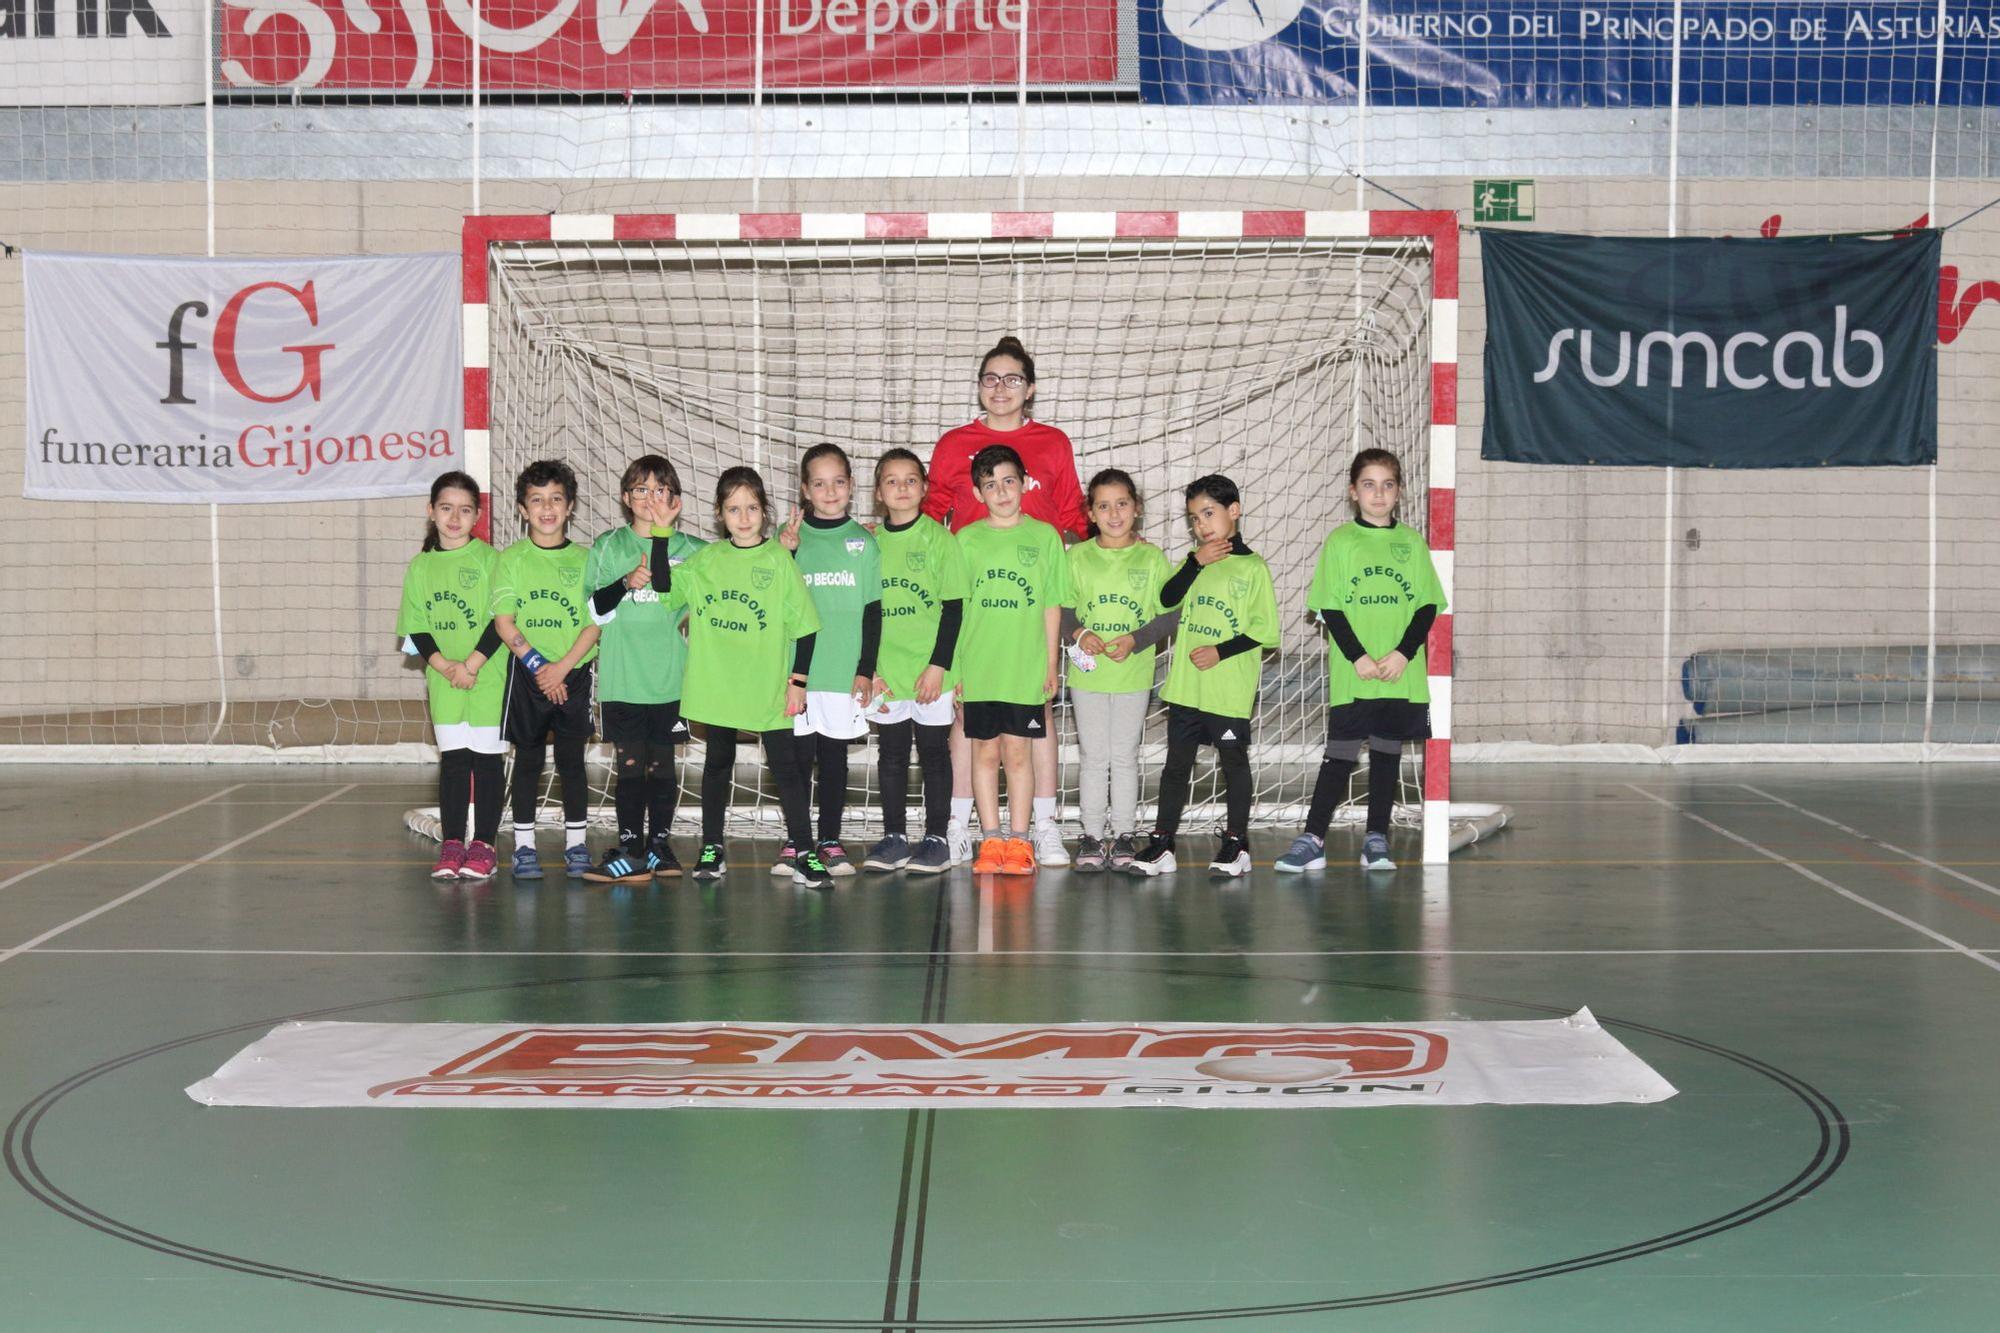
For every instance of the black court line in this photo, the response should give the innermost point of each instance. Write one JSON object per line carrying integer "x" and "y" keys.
{"x": 922, "y": 1120}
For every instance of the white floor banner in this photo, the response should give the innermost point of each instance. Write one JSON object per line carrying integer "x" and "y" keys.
{"x": 1570, "y": 1061}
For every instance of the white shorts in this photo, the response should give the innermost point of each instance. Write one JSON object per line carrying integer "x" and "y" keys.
{"x": 830, "y": 713}
{"x": 465, "y": 736}
{"x": 936, "y": 713}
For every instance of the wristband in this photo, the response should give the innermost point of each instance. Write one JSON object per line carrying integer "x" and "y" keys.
{"x": 534, "y": 661}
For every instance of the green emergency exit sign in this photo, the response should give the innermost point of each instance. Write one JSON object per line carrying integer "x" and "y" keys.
{"x": 1503, "y": 201}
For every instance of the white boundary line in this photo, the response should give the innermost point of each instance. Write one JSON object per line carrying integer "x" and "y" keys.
{"x": 175, "y": 873}
{"x": 1868, "y": 838}
{"x": 997, "y": 953}
{"x": 1821, "y": 880}
{"x": 12, "y": 880}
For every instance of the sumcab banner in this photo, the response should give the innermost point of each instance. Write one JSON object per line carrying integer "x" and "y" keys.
{"x": 1569, "y": 1061}
{"x": 241, "y": 380}
{"x": 665, "y": 45}
{"x": 1811, "y": 351}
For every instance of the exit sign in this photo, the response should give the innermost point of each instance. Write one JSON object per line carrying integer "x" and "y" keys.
{"x": 1503, "y": 201}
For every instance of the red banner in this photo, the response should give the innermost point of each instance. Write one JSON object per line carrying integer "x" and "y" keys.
{"x": 665, "y": 45}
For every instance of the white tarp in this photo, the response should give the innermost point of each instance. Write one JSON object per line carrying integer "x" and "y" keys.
{"x": 1569, "y": 1061}
{"x": 165, "y": 380}
{"x": 101, "y": 53}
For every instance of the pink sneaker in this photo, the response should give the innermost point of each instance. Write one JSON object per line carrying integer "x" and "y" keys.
{"x": 451, "y": 860}
{"x": 481, "y": 862}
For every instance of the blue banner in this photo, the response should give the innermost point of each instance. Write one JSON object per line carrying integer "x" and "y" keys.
{"x": 1566, "y": 53}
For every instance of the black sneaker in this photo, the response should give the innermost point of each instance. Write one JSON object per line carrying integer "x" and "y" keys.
{"x": 932, "y": 856}
{"x": 1089, "y": 856}
{"x": 811, "y": 871}
{"x": 1122, "y": 851}
{"x": 1232, "y": 857}
{"x": 621, "y": 865}
{"x": 712, "y": 862}
{"x": 834, "y": 857}
{"x": 787, "y": 862}
{"x": 1155, "y": 858}
{"x": 665, "y": 864}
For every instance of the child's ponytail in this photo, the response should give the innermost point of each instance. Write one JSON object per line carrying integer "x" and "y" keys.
{"x": 447, "y": 481}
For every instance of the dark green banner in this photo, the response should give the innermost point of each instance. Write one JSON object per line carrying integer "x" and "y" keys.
{"x": 1697, "y": 352}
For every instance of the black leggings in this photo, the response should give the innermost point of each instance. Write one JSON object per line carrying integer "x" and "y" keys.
{"x": 1178, "y": 775}
{"x": 467, "y": 778}
{"x": 647, "y": 791}
{"x": 1330, "y": 788}
{"x": 780, "y": 758}
{"x": 528, "y": 761}
{"x": 829, "y": 755}
{"x": 893, "y": 762}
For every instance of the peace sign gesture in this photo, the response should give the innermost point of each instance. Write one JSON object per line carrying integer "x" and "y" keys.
{"x": 788, "y": 536}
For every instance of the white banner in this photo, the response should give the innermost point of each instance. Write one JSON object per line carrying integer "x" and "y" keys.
{"x": 1570, "y": 1061}
{"x": 241, "y": 380}
{"x": 101, "y": 52}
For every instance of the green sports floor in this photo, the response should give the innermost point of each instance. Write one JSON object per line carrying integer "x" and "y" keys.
{"x": 1810, "y": 955}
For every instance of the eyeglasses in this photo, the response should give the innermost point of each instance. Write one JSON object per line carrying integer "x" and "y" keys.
{"x": 995, "y": 381}
{"x": 650, "y": 492}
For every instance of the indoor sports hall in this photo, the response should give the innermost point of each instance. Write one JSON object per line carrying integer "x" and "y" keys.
{"x": 1613, "y": 945}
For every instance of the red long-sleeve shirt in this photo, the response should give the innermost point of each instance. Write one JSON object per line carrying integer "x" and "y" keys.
{"x": 1050, "y": 491}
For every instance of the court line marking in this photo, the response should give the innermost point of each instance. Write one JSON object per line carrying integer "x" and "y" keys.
{"x": 1817, "y": 878}
{"x": 12, "y": 880}
{"x": 1001, "y": 953}
{"x": 175, "y": 873}
{"x": 1874, "y": 841}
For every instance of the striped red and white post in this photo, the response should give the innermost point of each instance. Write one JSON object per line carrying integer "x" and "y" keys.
{"x": 1439, "y": 229}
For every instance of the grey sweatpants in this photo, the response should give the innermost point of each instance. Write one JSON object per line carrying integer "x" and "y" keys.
{"x": 1109, "y": 728}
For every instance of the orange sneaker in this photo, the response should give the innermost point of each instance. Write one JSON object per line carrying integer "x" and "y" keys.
{"x": 992, "y": 857}
{"x": 1017, "y": 857}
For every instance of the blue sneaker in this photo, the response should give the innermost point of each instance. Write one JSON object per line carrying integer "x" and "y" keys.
{"x": 622, "y": 865}
{"x": 1307, "y": 853}
{"x": 891, "y": 853}
{"x": 527, "y": 865}
{"x": 932, "y": 856}
{"x": 1375, "y": 852}
{"x": 576, "y": 861}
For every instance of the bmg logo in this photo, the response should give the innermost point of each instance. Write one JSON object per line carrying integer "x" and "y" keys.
{"x": 311, "y": 355}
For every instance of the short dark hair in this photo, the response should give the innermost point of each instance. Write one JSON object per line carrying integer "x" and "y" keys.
{"x": 1217, "y": 488}
{"x": 646, "y": 467}
{"x": 991, "y": 457}
{"x": 819, "y": 451}
{"x": 741, "y": 478}
{"x": 544, "y": 472}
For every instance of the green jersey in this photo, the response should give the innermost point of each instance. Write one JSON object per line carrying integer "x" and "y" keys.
{"x": 642, "y": 656}
{"x": 1230, "y": 597}
{"x": 922, "y": 569}
{"x": 1015, "y": 575}
{"x": 542, "y": 588}
{"x": 843, "y": 572}
{"x": 1378, "y": 578}
{"x": 1117, "y": 591}
{"x": 446, "y": 595}
{"x": 746, "y": 606}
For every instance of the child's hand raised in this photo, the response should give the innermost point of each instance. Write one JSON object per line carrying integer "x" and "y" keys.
{"x": 639, "y": 577}
{"x": 1205, "y": 657}
{"x": 1212, "y": 550}
{"x": 788, "y": 536}
{"x": 669, "y": 515}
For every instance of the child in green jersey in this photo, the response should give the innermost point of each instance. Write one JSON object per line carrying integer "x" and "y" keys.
{"x": 843, "y": 572}
{"x": 446, "y": 623}
{"x": 640, "y": 661}
{"x": 1018, "y": 585}
{"x": 923, "y": 605}
{"x": 1377, "y": 592}
{"x": 1116, "y": 577}
{"x": 1229, "y": 616}
{"x": 540, "y": 609}
{"x": 751, "y": 628}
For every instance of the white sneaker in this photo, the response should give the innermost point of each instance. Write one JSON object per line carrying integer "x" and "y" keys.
{"x": 958, "y": 841}
{"x": 1049, "y": 849}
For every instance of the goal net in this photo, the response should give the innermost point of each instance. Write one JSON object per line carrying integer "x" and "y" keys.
{"x": 1269, "y": 359}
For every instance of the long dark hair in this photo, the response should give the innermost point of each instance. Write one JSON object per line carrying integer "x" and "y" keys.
{"x": 447, "y": 481}
{"x": 741, "y": 478}
{"x": 1369, "y": 458}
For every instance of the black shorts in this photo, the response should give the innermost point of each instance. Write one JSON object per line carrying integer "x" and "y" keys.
{"x": 1378, "y": 719}
{"x": 529, "y": 716}
{"x": 1191, "y": 726}
{"x": 990, "y": 721}
{"x": 643, "y": 724}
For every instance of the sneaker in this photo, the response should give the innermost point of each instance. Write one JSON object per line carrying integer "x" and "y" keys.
{"x": 1375, "y": 852}
{"x": 1232, "y": 857}
{"x": 992, "y": 857}
{"x": 1017, "y": 857}
{"x": 1089, "y": 856}
{"x": 527, "y": 865}
{"x": 834, "y": 857}
{"x": 1307, "y": 853}
{"x": 620, "y": 867}
{"x": 712, "y": 863}
{"x": 958, "y": 841}
{"x": 481, "y": 861}
{"x": 576, "y": 861}
{"x": 1155, "y": 858}
{"x": 1049, "y": 849}
{"x": 787, "y": 862}
{"x": 451, "y": 859}
{"x": 812, "y": 870}
{"x": 891, "y": 853}
{"x": 1121, "y": 854}
{"x": 931, "y": 857}
{"x": 660, "y": 857}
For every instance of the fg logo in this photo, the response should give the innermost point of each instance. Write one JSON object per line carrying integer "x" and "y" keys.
{"x": 227, "y": 357}
{"x": 1228, "y": 25}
